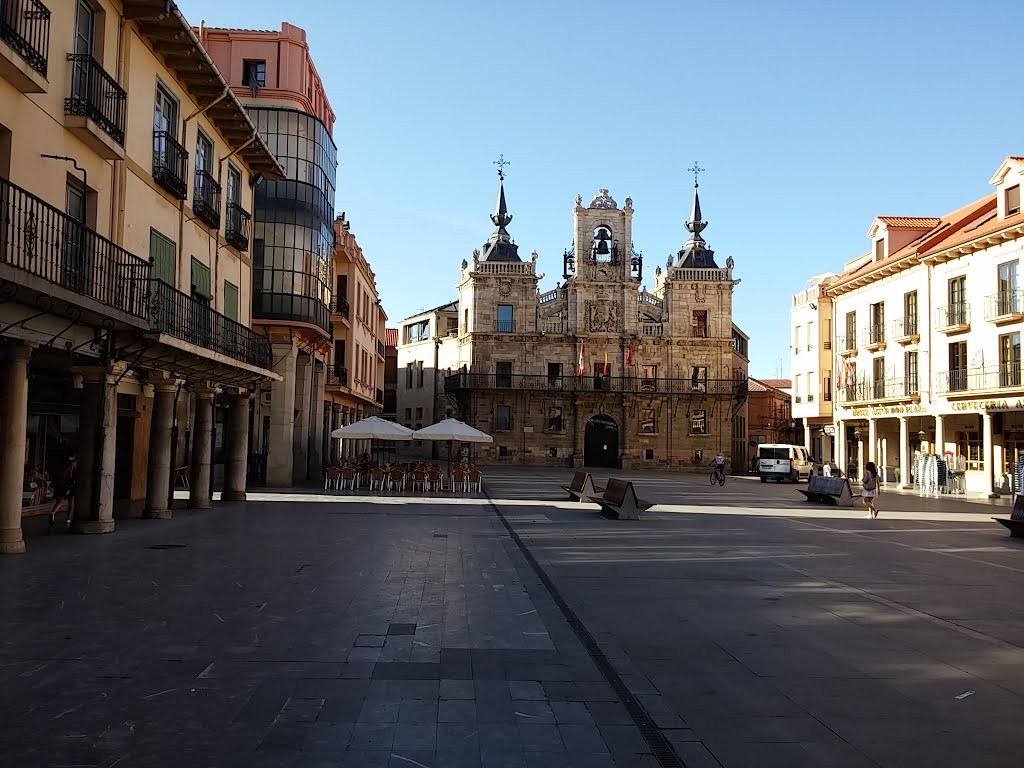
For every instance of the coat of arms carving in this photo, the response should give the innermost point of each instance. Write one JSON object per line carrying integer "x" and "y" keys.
{"x": 601, "y": 316}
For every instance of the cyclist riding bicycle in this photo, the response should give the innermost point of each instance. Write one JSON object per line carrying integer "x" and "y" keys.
{"x": 718, "y": 473}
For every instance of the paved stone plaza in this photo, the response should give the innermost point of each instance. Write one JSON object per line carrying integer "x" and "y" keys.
{"x": 300, "y": 630}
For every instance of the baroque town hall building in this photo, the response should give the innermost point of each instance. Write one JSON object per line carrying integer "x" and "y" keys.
{"x": 597, "y": 372}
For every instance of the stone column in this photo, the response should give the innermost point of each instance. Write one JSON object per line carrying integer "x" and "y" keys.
{"x": 301, "y": 435}
{"x": 904, "y": 454}
{"x": 158, "y": 471}
{"x": 97, "y": 451}
{"x": 202, "y": 449}
{"x": 988, "y": 456}
{"x": 236, "y": 448}
{"x": 840, "y": 441}
{"x": 860, "y": 456}
{"x": 282, "y": 418}
{"x": 13, "y": 428}
{"x": 873, "y": 440}
{"x": 940, "y": 439}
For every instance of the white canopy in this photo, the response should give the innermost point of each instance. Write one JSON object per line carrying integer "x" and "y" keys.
{"x": 452, "y": 429}
{"x": 373, "y": 428}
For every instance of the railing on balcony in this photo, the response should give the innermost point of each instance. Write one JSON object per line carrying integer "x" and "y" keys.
{"x": 380, "y": 344}
{"x": 190, "y": 319}
{"x": 993, "y": 377}
{"x": 873, "y": 335}
{"x": 880, "y": 389}
{"x": 953, "y": 316}
{"x": 652, "y": 329}
{"x": 1005, "y": 305}
{"x": 847, "y": 342}
{"x": 170, "y": 164}
{"x": 503, "y": 326}
{"x": 43, "y": 241}
{"x": 337, "y": 375}
{"x": 206, "y": 202}
{"x": 25, "y": 26}
{"x": 621, "y": 384}
{"x": 96, "y": 95}
{"x": 236, "y": 229}
{"x": 339, "y": 306}
{"x": 546, "y": 298}
{"x": 905, "y": 327}
{"x": 553, "y": 326}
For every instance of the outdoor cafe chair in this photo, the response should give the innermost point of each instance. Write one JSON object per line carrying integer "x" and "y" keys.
{"x": 476, "y": 480}
{"x": 332, "y": 478}
{"x": 435, "y": 480}
{"x": 396, "y": 478}
{"x": 377, "y": 479}
{"x": 419, "y": 477}
{"x": 350, "y": 478}
{"x": 459, "y": 480}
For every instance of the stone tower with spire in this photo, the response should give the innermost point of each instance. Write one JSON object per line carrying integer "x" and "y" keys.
{"x": 597, "y": 371}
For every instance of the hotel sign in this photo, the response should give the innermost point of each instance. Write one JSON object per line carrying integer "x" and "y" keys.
{"x": 889, "y": 410}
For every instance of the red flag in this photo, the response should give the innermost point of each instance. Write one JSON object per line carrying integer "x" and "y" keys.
{"x": 580, "y": 366}
{"x": 605, "y": 362}
{"x": 629, "y": 355}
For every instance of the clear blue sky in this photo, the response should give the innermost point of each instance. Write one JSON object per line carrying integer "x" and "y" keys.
{"x": 811, "y": 118}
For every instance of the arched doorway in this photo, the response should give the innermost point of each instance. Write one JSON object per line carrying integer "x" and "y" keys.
{"x": 601, "y": 442}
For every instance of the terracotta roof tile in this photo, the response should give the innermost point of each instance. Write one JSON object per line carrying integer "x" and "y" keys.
{"x": 910, "y": 222}
{"x": 391, "y": 337}
{"x": 763, "y": 385}
{"x": 778, "y": 383}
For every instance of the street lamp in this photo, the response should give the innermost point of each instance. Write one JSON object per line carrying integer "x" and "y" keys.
{"x": 856, "y": 433}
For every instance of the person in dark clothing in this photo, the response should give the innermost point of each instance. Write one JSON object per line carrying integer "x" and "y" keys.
{"x": 66, "y": 490}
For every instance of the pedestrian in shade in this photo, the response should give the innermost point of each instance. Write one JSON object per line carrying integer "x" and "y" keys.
{"x": 869, "y": 490}
{"x": 66, "y": 490}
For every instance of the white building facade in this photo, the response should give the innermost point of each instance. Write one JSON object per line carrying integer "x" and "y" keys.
{"x": 926, "y": 343}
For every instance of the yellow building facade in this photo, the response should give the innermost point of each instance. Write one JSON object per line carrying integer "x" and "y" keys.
{"x": 127, "y": 177}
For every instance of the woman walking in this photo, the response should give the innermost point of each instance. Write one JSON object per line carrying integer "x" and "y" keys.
{"x": 870, "y": 489}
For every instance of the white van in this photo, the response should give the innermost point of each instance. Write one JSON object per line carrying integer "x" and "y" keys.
{"x": 783, "y": 462}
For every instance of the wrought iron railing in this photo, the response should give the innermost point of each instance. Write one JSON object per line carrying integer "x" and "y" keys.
{"x": 881, "y": 389}
{"x": 170, "y": 164}
{"x": 25, "y": 26}
{"x": 953, "y": 315}
{"x": 621, "y": 384}
{"x": 96, "y": 95}
{"x": 337, "y": 375}
{"x": 206, "y": 202}
{"x": 190, "y": 319}
{"x": 1004, "y": 304}
{"x": 873, "y": 334}
{"x": 904, "y": 327}
{"x": 236, "y": 229}
{"x": 503, "y": 326}
{"x": 847, "y": 342}
{"x": 44, "y": 241}
{"x": 339, "y": 306}
{"x": 380, "y": 344}
{"x": 993, "y": 377}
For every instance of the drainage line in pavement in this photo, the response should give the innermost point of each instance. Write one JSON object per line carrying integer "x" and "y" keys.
{"x": 660, "y": 746}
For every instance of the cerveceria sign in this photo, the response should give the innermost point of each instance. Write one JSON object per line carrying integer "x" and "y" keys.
{"x": 963, "y": 405}
{"x": 988, "y": 405}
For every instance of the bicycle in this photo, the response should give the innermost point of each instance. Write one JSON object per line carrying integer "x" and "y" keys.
{"x": 718, "y": 475}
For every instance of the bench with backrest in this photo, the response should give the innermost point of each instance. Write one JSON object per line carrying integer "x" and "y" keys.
{"x": 582, "y": 487}
{"x": 619, "y": 500}
{"x": 1015, "y": 522}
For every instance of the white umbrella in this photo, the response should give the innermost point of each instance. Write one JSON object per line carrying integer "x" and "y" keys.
{"x": 452, "y": 429}
{"x": 373, "y": 428}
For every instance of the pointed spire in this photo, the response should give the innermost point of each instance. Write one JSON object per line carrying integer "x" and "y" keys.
{"x": 695, "y": 225}
{"x": 499, "y": 246}
{"x": 501, "y": 217}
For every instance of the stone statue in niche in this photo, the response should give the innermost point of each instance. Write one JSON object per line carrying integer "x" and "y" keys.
{"x": 601, "y": 316}
{"x": 603, "y": 200}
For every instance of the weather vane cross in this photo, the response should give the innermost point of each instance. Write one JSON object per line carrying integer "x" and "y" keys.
{"x": 696, "y": 170}
{"x": 501, "y": 162}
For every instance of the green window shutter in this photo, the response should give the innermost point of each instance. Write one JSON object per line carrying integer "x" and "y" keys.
{"x": 231, "y": 300}
{"x": 201, "y": 280}
{"x": 164, "y": 254}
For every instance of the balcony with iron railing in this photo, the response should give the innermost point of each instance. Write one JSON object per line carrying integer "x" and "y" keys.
{"x": 24, "y": 44}
{"x": 340, "y": 306}
{"x": 170, "y": 164}
{"x": 206, "y": 199}
{"x": 39, "y": 240}
{"x": 954, "y": 318}
{"x": 194, "y": 321}
{"x": 880, "y": 390}
{"x": 847, "y": 344}
{"x": 337, "y": 376}
{"x": 1005, "y": 307}
{"x": 503, "y": 326}
{"x": 905, "y": 330}
{"x": 971, "y": 381}
{"x": 568, "y": 383}
{"x": 95, "y": 99}
{"x": 236, "y": 228}
{"x": 380, "y": 344}
{"x": 873, "y": 337}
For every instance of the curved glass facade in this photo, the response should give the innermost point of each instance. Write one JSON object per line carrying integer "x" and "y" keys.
{"x": 293, "y": 222}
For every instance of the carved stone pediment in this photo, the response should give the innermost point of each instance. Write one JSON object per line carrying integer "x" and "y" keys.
{"x": 603, "y": 200}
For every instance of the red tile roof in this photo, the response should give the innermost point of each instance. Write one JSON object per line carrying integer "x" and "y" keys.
{"x": 910, "y": 222}
{"x": 763, "y": 385}
{"x": 391, "y": 337}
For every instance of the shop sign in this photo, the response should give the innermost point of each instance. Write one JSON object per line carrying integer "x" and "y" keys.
{"x": 987, "y": 405}
{"x": 889, "y": 410}
{"x": 830, "y": 429}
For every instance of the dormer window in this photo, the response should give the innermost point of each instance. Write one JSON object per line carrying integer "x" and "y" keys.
{"x": 1012, "y": 200}
{"x": 879, "y": 249}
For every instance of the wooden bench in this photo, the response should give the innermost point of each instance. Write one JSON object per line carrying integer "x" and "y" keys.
{"x": 829, "y": 490}
{"x": 582, "y": 487}
{"x": 1015, "y": 522}
{"x": 619, "y": 500}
